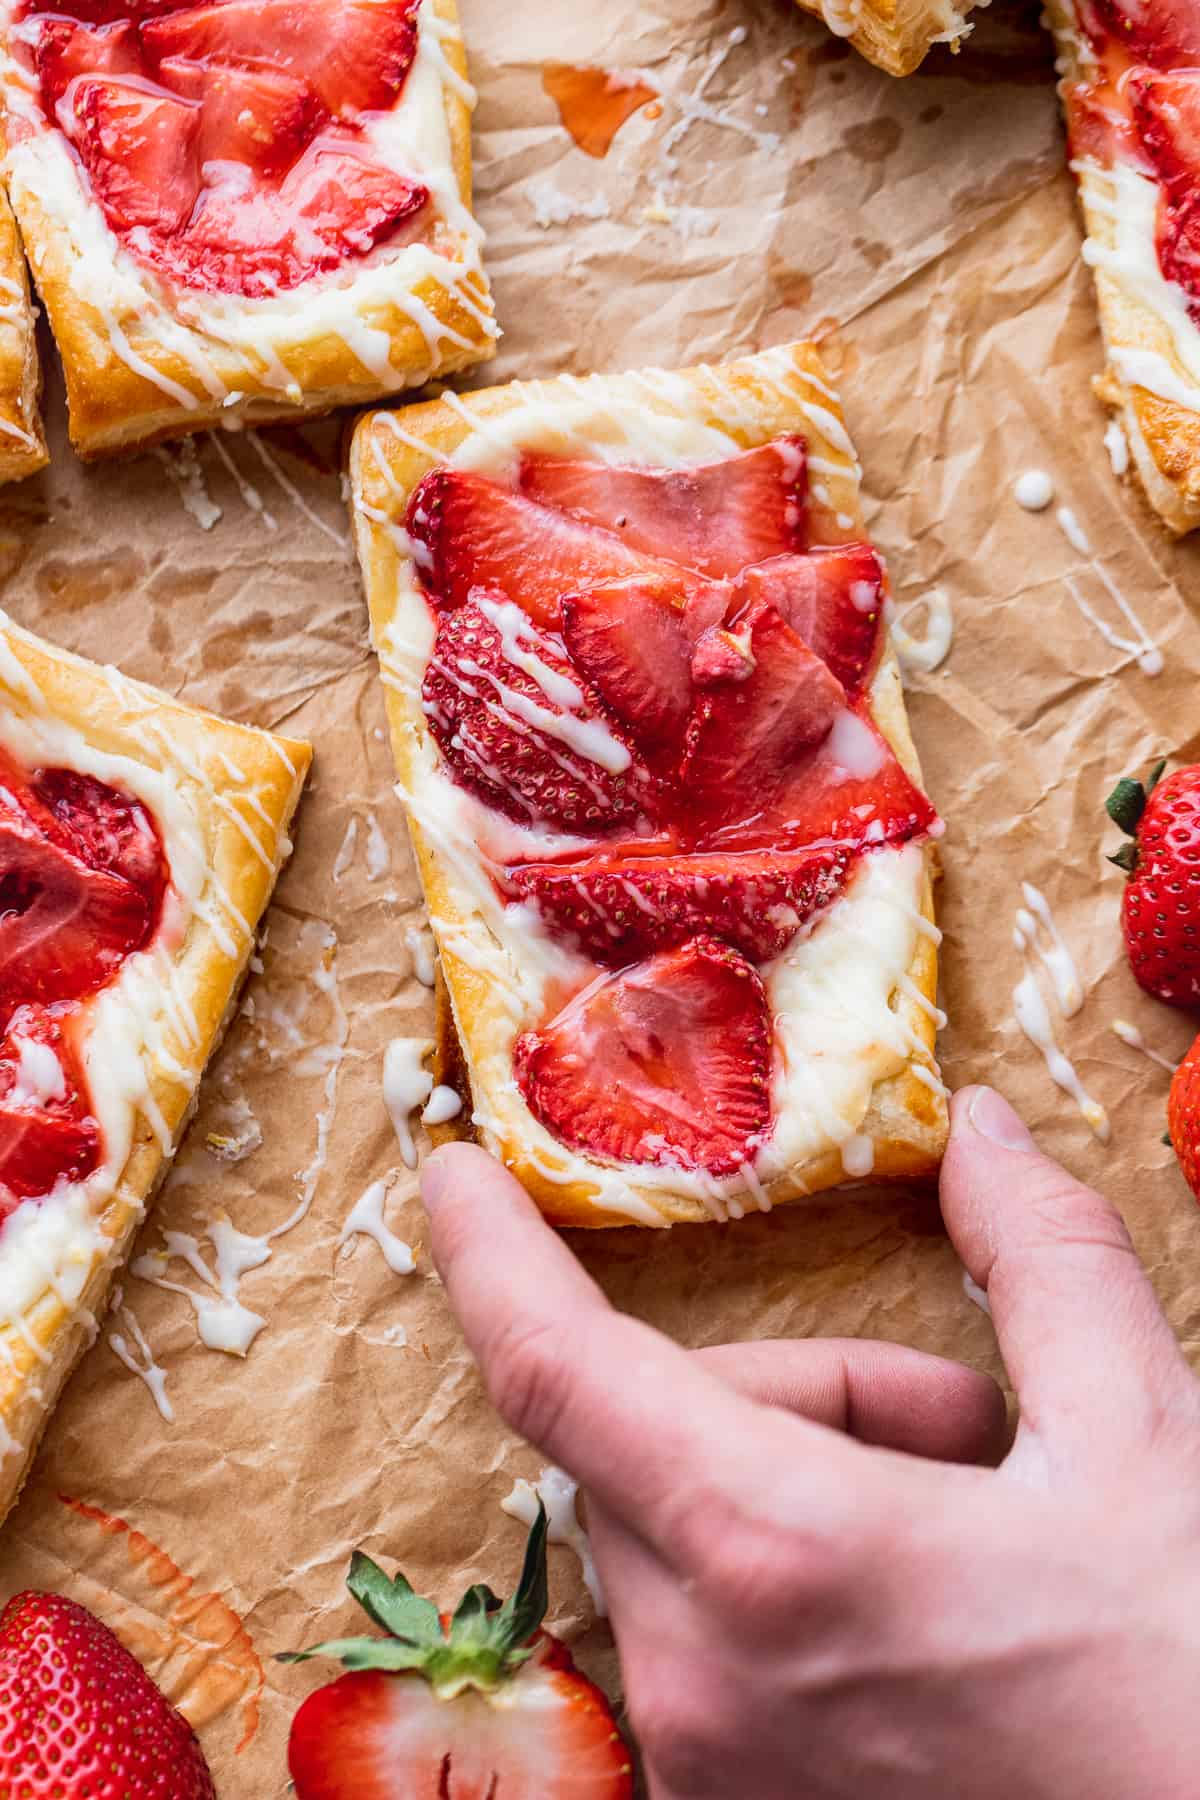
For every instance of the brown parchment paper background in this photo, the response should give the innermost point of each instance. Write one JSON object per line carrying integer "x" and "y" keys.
{"x": 928, "y": 228}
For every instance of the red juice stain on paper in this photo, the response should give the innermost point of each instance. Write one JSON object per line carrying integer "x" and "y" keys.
{"x": 593, "y": 104}
{"x": 195, "y": 1645}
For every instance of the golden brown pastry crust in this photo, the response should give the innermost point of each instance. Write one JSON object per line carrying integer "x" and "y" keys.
{"x": 113, "y": 407}
{"x": 22, "y": 440}
{"x": 1163, "y": 436}
{"x": 752, "y": 400}
{"x": 40, "y": 1350}
{"x": 896, "y": 35}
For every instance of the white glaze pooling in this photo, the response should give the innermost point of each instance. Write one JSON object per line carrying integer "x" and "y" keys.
{"x": 832, "y": 992}
{"x": 558, "y": 1494}
{"x": 225, "y": 338}
{"x": 1034, "y": 490}
{"x": 366, "y": 1219}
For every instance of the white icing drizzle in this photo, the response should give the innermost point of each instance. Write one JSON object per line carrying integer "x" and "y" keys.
{"x": 140, "y": 1360}
{"x": 345, "y": 855}
{"x": 1032, "y": 1013}
{"x": 418, "y": 940}
{"x": 379, "y": 856}
{"x": 250, "y": 494}
{"x": 1129, "y": 1034}
{"x": 1073, "y": 531}
{"x": 182, "y": 463}
{"x": 1034, "y": 490}
{"x": 444, "y": 1104}
{"x": 1142, "y": 648}
{"x": 271, "y": 464}
{"x": 923, "y": 655}
{"x": 1117, "y": 445}
{"x": 223, "y": 1322}
{"x": 558, "y": 1494}
{"x": 407, "y": 1084}
{"x": 366, "y": 1219}
{"x": 1037, "y": 930}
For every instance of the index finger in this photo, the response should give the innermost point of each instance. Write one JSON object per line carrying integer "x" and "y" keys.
{"x": 633, "y": 1417}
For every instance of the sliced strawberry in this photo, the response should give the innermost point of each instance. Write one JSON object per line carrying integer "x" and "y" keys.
{"x": 621, "y": 907}
{"x": 139, "y": 148}
{"x": 833, "y": 601}
{"x": 470, "y": 531}
{"x": 722, "y": 656}
{"x": 666, "y": 1063}
{"x": 518, "y": 727}
{"x": 850, "y": 789}
{"x": 1167, "y": 110}
{"x": 254, "y": 116}
{"x": 1099, "y": 125}
{"x": 346, "y": 199}
{"x": 107, "y": 830}
{"x": 715, "y": 518}
{"x": 45, "y": 1131}
{"x": 747, "y": 731}
{"x": 354, "y": 54}
{"x": 1164, "y": 32}
{"x": 66, "y": 49}
{"x": 628, "y": 637}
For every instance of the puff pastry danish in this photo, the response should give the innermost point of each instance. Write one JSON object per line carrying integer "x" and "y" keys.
{"x": 140, "y": 840}
{"x": 243, "y": 210}
{"x": 1130, "y": 87}
{"x": 22, "y": 441}
{"x": 896, "y": 35}
{"x": 661, "y": 787}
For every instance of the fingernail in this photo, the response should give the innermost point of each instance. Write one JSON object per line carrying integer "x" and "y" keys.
{"x": 433, "y": 1183}
{"x": 992, "y": 1117}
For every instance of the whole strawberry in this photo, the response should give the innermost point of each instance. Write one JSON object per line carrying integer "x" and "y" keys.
{"x": 483, "y": 1704}
{"x": 80, "y": 1716}
{"x": 1183, "y": 1116}
{"x": 1160, "y": 913}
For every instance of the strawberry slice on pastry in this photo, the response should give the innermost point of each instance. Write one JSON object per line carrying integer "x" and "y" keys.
{"x": 141, "y": 149}
{"x": 1164, "y": 32}
{"x": 666, "y": 1063}
{"x": 518, "y": 726}
{"x": 259, "y": 117}
{"x": 45, "y": 1132}
{"x": 715, "y": 517}
{"x": 620, "y": 906}
{"x": 66, "y": 48}
{"x": 832, "y": 599}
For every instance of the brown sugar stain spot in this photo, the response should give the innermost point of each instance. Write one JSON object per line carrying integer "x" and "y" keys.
{"x": 202, "y": 1655}
{"x": 593, "y": 104}
{"x": 873, "y": 142}
{"x": 69, "y": 587}
{"x": 792, "y": 286}
{"x": 874, "y": 254}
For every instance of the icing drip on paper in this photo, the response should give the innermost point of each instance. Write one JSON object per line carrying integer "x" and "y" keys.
{"x": 407, "y": 1084}
{"x": 1129, "y": 1034}
{"x": 249, "y": 493}
{"x": 1037, "y": 938}
{"x": 558, "y": 1494}
{"x": 182, "y": 463}
{"x": 271, "y": 464}
{"x": 923, "y": 655}
{"x": 443, "y": 1105}
{"x": 140, "y": 1359}
{"x": 1117, "y": 445}
{"x": 1142, "y": 647}
{"x": 366, "y": 1219}
{"x": 1034, "y": 490}
{"x": 419, "y": 942}
{"x": 345, "y": 855}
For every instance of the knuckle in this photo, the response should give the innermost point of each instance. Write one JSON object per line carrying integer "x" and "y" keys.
{"x": 524, "y": 1372}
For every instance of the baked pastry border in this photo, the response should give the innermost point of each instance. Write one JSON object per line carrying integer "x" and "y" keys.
{"x": 40, "y": 1349}
{"x": 895, "y": 35}
{"x": 751, "y": 400}
{"x": 112, "y": 407}
{"x": 23, "y": 449}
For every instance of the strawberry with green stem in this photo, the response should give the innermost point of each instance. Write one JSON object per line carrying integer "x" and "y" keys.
{"x": 1160, "y": 910}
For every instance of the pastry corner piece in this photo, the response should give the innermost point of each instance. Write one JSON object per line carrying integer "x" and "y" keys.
{"x": 243, "y": 212}
{"x": 666, "y": 807}
{"x": 140, "y": 840}
{"x": 896, "y": 35}
{"x": 22, "y": 440}
{"x": 1130, "y": 87}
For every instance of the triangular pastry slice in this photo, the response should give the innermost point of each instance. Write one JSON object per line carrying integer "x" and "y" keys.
{"x": 667, "y": 811}
{"x": 140, "y": 841}
{"x": 22, "y": 440}
{"x": 896, "y": 35}
{"x": 1130, "y": 87}
{"x": 247, "y": 211}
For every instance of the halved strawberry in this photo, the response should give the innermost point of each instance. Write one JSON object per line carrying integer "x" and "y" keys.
{"x": 483, "y": 1706}
{"x": 519, "y": 728}
{"x": 833, "y": 601}
{"x": 470, "y": 531}
{"x": 46, "y": 1133}
{"x": 354, "y": 54}
{"x": 621, "y": 906}
{"x": 748, "y": 729}
{"x": 140, "y": 149}
{"x": 628, "y": 636}
{"x": 666, "y": 1063}
{"x": 716, "y": 517}
{"x": 65, "y": 49}
{"x": 259, "y": 117}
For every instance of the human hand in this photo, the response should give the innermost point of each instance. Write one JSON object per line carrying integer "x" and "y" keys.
{"x": 864, "y": 1613}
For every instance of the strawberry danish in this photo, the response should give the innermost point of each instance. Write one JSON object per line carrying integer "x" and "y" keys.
{"x": 666, "y": 808}
{"x": 240, "y": 210}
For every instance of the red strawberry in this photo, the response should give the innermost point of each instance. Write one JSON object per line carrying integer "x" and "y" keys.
{"x": 46, "y": 1132}
{"x": 483, "y": 1704}
{"x": 254, "y": 116}
{"x": 715, "y": 518}
{"x": 65, "y": 49}
{"x": 833, "y": 601}
{"x": 80, "y": 1716}
{"x": 629, "y": 637}
{"x": 1160, "y": 911}
{"x": 354, "y": 54}
{"x": 667, "y": 1063}
{"x": 1164, "y": 32}
{"x": 107, "y": 830}
{"x": 621, "y": 907}
{"x": 139, "y": 148}
{"x": 1167, "y": 110}
{"x": 1183, "y": 1116}
{"x": 1099, "y": 125}
{"x": 750, "y": 727}
{"x": 519, "y": 728}
{"x": 470, "y": 531}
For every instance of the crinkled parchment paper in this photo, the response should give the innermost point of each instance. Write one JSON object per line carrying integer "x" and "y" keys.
{"x": 778, "y": 186}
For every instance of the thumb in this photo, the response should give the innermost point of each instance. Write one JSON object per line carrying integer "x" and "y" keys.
{"x": 1089, "y": 1350}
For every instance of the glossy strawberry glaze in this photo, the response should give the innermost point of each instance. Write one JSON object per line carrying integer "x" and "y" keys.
{"x": 227, "y": 141}
{"x": 82, "y": 881}
{"x": 1142, "y": 108}
{"x": 630, "y": 657}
